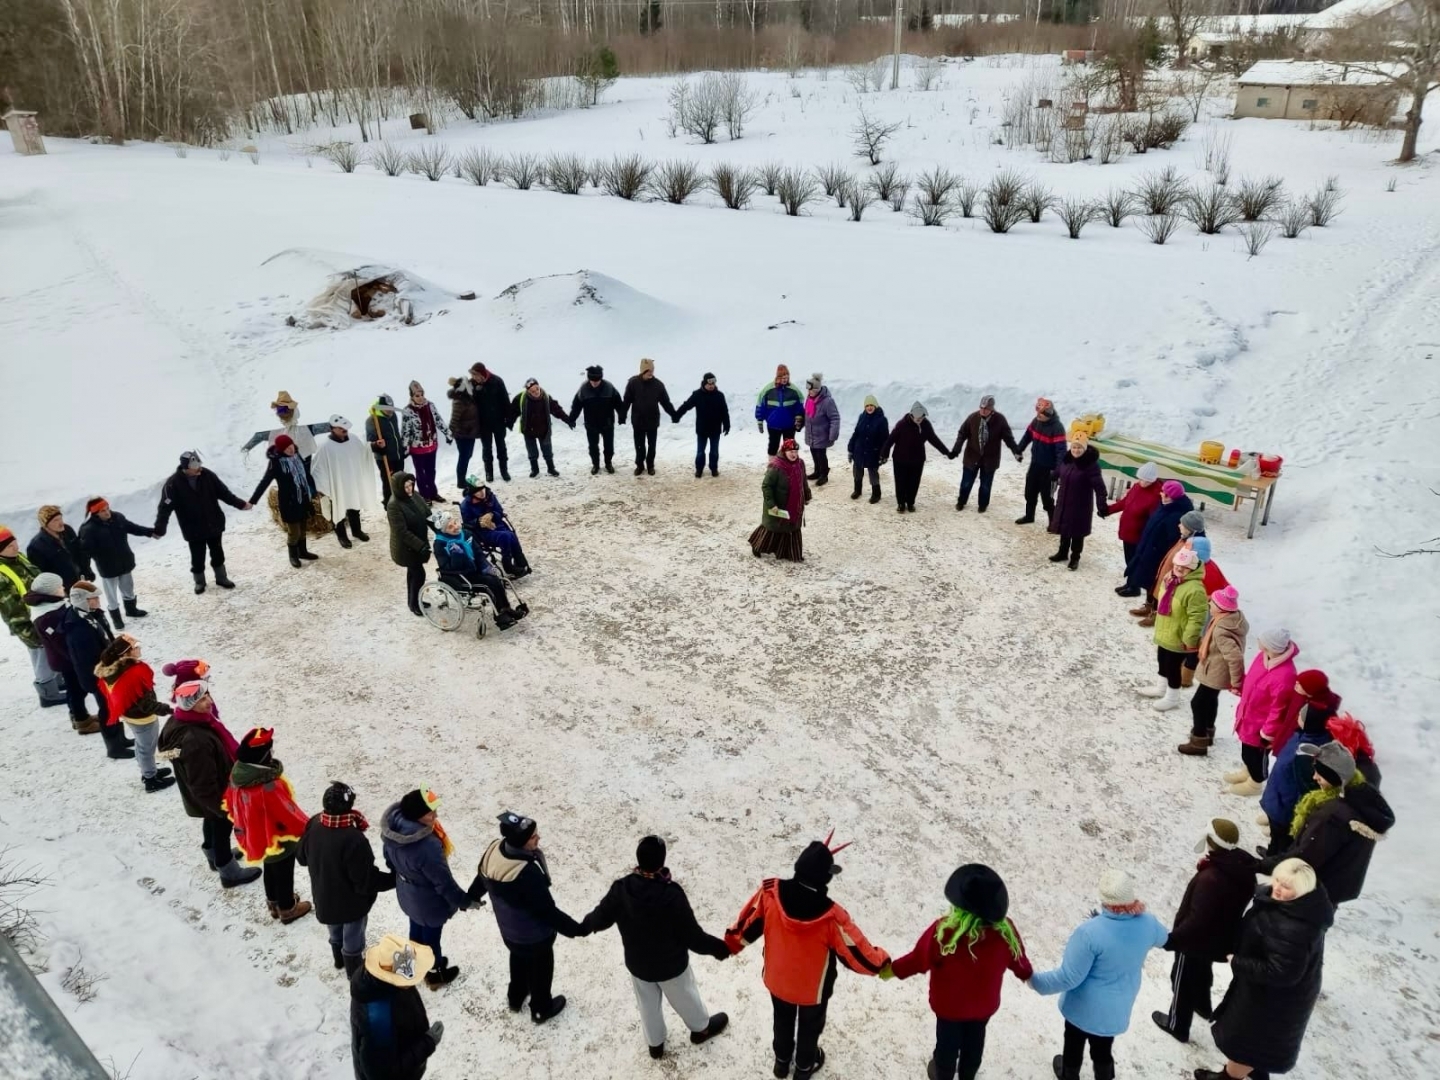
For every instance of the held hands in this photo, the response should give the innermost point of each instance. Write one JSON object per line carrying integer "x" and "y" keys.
{"x": 760, "y": 426}
{"x": 1020, "y": 457}
{"x": 674, "y": 419}
{"x": 436, "y": 1032}
{"x": 886, "y": 973}
{"x": 247, "y": 506}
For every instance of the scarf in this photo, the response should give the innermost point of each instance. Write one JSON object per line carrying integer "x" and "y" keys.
{"x": 351, "y": 819}
{"x": 427, "y": 422}
{"x": 794, "y": 471}
{"x": 983, "y": 435}
{"x": 1135, "y": 907}
{"x": 1172, "y": 582}
{"x": 1205, "y": 639}
{"x": 294, "y": 466}
{"x": 446, "y": 847}
{"x": 961, "y": 923}
{"x": 810, "y": 404}
{"x": 1314, "y": 800}
{"x": 212, "y": 721}
{"x": 663, "y": 874}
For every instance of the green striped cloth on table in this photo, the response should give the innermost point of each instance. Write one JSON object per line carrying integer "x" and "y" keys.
{"x": 1214, "y": 483}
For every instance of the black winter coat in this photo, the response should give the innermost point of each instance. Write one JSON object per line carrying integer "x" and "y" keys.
{"x": 1338, "y": 840}
{"x": 61, "y": 555}
{"x": 518, "y": 884}
{"x": 294, "y": 503}
{"x": 409, "y": 517}
{"x": 389, "y": 1037}
{"x": 712, "y": 412}
{"x": 85, "y": 639}
{"x": 344, "y": 879}
{"x": 997, "y": 431}
{"x": 195, "y": 502}
{"x": 464, "y": 415}
{"x": 657, "y": 927}
{"x": 1049, "y": 440}
{"x": 643, "y": 400}
{"x": 867, "y": 441}
{"x": 1081, "y": 494}
{"x": 385, "y": 426}
{"x": 1277, "y": 973}
{"x": 108, "y": 543}
{"x": 906, "y": 442}
{"x": 1161, "y": 532}
{"x": 600, "y": 404}
{"x": 1207, "y": 923}
{"x": 535, "y": 414}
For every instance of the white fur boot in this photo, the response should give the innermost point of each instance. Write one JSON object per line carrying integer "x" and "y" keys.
{"x": 1151, "y": 690}
{"x": 1246, "y": 788}
{"x": 1169, "y": 700}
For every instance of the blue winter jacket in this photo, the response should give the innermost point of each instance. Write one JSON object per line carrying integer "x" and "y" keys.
{"x": 779, "y": 406}
{"x": 471, "y": 511}
{"x": 1287, "y": 782}
{"x": 424, "y": 886}
{"x": 1161, "y": 532}
{"x": 518, "y": 884}
{"x": 867, "y": 441}
{"x": 822, "y": 430}
{"x": 1099, "y": 978}
{"x": 456, "y": 555}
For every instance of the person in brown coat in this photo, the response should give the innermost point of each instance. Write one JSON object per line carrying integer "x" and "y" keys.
{"x": 1221, "y": 667}
{"x": 981, "y": 436}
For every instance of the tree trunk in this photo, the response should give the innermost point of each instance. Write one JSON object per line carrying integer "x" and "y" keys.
{"x": 1412, "y": 122}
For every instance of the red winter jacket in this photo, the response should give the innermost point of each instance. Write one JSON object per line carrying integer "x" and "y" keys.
{"x": 1135, "y": 510}
{"x": 964, "y": 986}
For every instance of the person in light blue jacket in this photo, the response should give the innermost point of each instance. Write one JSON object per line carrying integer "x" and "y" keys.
{"x": 1099, "y": 978}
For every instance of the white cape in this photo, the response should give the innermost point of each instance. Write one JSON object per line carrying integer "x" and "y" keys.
{"x": 345, "y": 475}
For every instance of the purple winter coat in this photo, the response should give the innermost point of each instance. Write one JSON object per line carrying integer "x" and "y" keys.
{"x": 1080, "y": 486}
{"x": 822, "y": 429}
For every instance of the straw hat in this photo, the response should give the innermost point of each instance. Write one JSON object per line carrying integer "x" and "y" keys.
{"x": 387, "y": 961}
{"x": 284, "y": 398}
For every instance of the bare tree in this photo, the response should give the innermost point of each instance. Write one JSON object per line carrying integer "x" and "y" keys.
{"x": 871, "y": 136}
{"x": 739, "y": 102}
{"x": 1186, "y": 18}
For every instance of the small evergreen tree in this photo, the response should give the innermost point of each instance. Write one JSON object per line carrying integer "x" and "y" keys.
{"x": 650, "y": 17}
{"x": 596, "y": 72}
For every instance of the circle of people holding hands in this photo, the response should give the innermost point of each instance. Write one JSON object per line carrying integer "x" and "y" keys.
{"x": 1312, "y": 764}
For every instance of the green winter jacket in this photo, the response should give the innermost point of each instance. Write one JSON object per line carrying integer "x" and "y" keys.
{"x": 408, "y": 515}
{"x": 12, "y": 598}
{"x": 1180, "y": 631}
{"x": 775, "y": 488}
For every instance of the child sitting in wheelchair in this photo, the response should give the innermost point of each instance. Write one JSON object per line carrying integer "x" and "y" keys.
{"x": 484, "y": 518}
{"x": 465, "y": 570}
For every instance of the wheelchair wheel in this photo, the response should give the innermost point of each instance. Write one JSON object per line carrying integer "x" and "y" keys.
{"x": 482, "y": 624}
{"x": 442, "y": 605}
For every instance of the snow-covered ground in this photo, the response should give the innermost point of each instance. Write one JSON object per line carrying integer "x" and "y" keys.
{"x": 929, "y": 685}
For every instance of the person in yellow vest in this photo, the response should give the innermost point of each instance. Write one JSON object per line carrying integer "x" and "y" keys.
{"x": 16, "y": 574}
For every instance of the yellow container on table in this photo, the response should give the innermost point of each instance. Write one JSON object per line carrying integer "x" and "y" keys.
{"x": 1211, "y": 452}
{"x": 1091, "y": 424}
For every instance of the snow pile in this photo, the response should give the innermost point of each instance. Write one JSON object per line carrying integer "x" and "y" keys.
{"x": 584, "y": 303}
{"x": 345, "y": 291}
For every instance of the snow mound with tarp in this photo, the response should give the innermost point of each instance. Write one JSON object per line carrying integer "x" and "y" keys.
{"x": 562, "y": 300}
{"x": 342, "y": 291}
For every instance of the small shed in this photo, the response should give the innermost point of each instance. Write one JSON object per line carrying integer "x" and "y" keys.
{"x": 24, "y": 130}
{"x": 1314, "y": 90}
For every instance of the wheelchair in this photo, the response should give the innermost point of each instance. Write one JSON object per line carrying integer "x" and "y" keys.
{"x": 446, "y": 603}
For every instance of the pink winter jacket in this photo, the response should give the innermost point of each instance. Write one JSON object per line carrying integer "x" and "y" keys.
{"x": 1268, "y": 703}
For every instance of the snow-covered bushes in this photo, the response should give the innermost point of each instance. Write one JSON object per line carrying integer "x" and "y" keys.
{"x": 1210, "y": 209}
{"x": 796, "y": 190}
{"x": 1075, "y": 214}
{"x": 524, "y": 171}
{"x": 735, "y": 186}
{"x": 1000, "y": 202}
{"x": 388, "y": 158}
{"x": 626, "y": 177}
{"x": 675, "y": 181}
{"x": 567, "y": 173}
{"x": 1259, "y": 198}
{"x": 431, "y": 161}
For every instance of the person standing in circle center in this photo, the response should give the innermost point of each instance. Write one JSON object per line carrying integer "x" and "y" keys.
{"x": 785, "y": 491}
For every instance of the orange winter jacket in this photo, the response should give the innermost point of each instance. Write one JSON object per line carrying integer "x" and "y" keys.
{"x": 798, "y": 951}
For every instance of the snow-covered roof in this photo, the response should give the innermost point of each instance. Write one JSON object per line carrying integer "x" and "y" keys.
{"x": 1308, "y": 73}
{"x": 1349, "y": 11}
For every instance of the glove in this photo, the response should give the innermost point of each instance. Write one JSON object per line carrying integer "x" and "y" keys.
{"x": 760, "y": 426}
{"x": 572, "y": 425}
{"x": 886, "y": 972}
{"x": 436, "y": 1032}
{"x": 449, "y": 441}
{"x": 850, "y": 459}
{"x": 720, "y": 952}
{"x": 1104, "y": 511}
{"x": 156, "y": 534}
{"x": 674, "y": 419}
{"x": 476, "y": 893}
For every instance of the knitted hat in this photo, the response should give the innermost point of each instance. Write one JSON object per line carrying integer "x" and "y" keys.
{"x": 184, "y": 670}
{"x": 190, "y": 459}
{"x": 7, "y": 536}
{"x": 339, "y": 798}
{"x": 339, "y": 421}
{"x": 531, "y": 382}
{"x": 48, "y": 584}
{"x": 816, "y": 380}
{"x": 1116, "y": 888}
{"x": 1201, "y": 546}
{"x": 987, "y": 401}
{"x": 871, "y": 400}
{"x": 816, "y": 865}
{"x": 516, "y": 830}
{"x": 781, "y": 372}
{"x": 1080, "y": 439}
{"x": 283, "y": 443}
{"x": 190, "y": 694}
{"x": 1147, "y": 473}
{"x": 47, "y": 514}
{"x": 708, "y": 377}
{"x": 1314, "y": 682}
{"x": 1224, "y": 835}
{"x": 1186, "y": 559}
{"x": 787, "y": 445}
{"x": 1274, "y": 640}
{"x": 97, "y": 505}
{"x": 416, "y": 388}
{"x": 918, "y": 411}
{"x": 1226, "y": 599}
{"x": 1193, "y": 520}
{"x": 594, "y": 371}
{"x": 417, "y": 803}
{"x": 646, "y": 364}
{"x": 256, "y": 746}
{"x": 650, "y": 854}
{"x": 979, "y": 890}
{"x": 283, "y": 400}
{"x": 80, "y": 594}
{"x": 1172, "y": 489}
{"x": 1332, "y": 762}
{"x": 1298, "y": 874}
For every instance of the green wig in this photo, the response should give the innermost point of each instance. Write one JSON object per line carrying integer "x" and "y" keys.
{"x": 961, "y": 923}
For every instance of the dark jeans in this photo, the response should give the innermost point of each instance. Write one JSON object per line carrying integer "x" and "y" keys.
{"x": 532, "y": 970}
{"x": 414, "y": 582}
{"x": 593, "y": 436}
{"x": 797, "y": 1031}
{"x": 1129, "y": 547}
{"x": 197, "y": 554}
{"x": 1257, "y": 761}
{"x": 217, "y": 832}
{"x": 424, "y": 466}
{"x": 1038, "y": 485}
{"x": 492, "y": 449}
{"x": 429, "y": 935}
{"x": 535, "y": 447}
{"x": 860, "y": 470}
{"x": 1072, "y": 546}
{"x": 713, "y": 442}
{"x": 74, "y": 693}
{"x": 279, "y": 879}
{"x": 821, "y": 458}
{"x": 1168, "y": 663}
{"x": 967, "y": 481}
{"x": 1101, "y": 1052}
{"x": 645, "y": 446}
{"x": 775, "y": 436}
{"x": 465, "y": 448}
{"x": 959, "y": 1041}
{"x": 1190, "y": 981}
{"x": 1204, "y": 706}
{"x": 907, "y": 482}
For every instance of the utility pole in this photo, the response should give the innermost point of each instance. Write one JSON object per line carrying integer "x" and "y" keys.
{"x": 895, "y": 70}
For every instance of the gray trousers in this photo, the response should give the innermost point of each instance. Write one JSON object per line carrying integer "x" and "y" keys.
{"x": 683, "y": 996}
{"x": 145, "y": 736}
{"x": 117, "y": 588}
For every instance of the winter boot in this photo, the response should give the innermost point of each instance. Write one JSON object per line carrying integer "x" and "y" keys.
{"x": 1059, "y": 556}
{"x": 714, "y": 472}
{"x": 874, "y": 495}
{"x": 504, "y": 620}
{"x": 609, "y": 468}
{"x": 1162, "y": 1021}
{"x": 220, "y": 578}
{"x": 352, "y": 964}
{"x": 782, "y": 1069}
{"x": 856, "y": 493}
{"x": 115, "y": 747}
{"x": 1171, "y": 700}
{"x": 505, "y": 472}
{"x": 298, "y": 909}
{"x": 595, "y": 469}
{"x": 304, "y": 552}
{"x": 805, "y": 1074}
{"x": 550, "y": 469}
{"x": 639, "y": 470}
{"x": 157, "y": 783}
{"x": 1150, "y": 690}
{"x": 1062, "y": 1073}
{"x": 535, "y": 469}
{"x": 199, "y": 582}
{"x": 1128, "y": 591}
{"x": 1214, "y": 1074}
{"x": 235, "y": 853}
{"x": 438, "y": 977}
{"x": 1187, "y": 677}
{"x": 294, "y": 555}
{"x": 343, "y": 535}
{"x": 930, "y": 1069}
{"x": 959, "y": 505}
{"x": 1234, "y": 776}
{"x": 1196, "y": 747}
{"x": 1074, "y": 562}
{"x": 715, "y": 1027}
{"x": 273, "y": 908}
{"x": 821, "y": 482}
{"x": 233, "y": 874}
{"x": 1148, "y": 620}
{"x": 337, "y": 956}
{"x": 115, "y": 620}
{"x": 1141, "y": 611}
{"x": 658, "y": 1052}
{"x": 1028, "y": 519}
{"x": 86, "y": 725}
{"x": 132, "y": 609}
{"x": 698, "y": 474}
{"x": 557, "y": 1006}
{"x": 353, "y": 517}
{"x": 1246, "y": 789}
